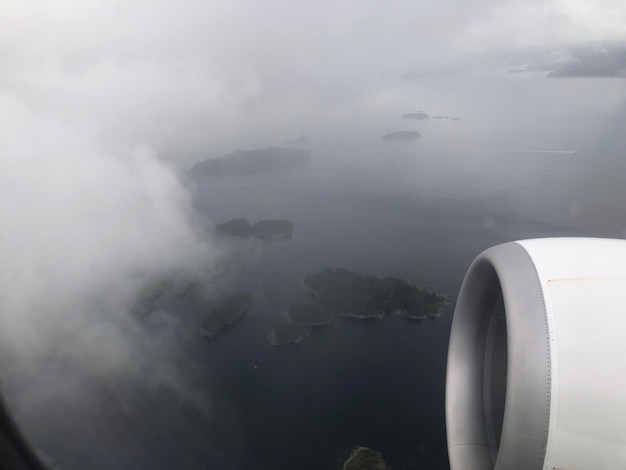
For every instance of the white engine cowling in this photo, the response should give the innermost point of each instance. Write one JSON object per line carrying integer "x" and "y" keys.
{"x": 536, "y": 375}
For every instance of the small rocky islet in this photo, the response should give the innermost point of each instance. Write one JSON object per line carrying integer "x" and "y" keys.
{"x": 415, "y": 116}
{"x": 355, "y": 295}
{"x": 298, "y": 324}
{"x": 401, "y": 136}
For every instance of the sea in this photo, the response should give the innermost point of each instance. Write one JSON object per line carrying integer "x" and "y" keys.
{"x": 389, "y": 210}
{"x": 397, "y": 209}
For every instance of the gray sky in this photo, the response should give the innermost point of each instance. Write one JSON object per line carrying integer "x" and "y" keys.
{"x": 177, "y": 74}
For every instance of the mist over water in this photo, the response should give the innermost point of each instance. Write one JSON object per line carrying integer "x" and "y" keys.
{"x": 105, "y": 109}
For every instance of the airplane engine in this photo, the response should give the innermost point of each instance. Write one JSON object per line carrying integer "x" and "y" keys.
{"x": 536, "y": 375}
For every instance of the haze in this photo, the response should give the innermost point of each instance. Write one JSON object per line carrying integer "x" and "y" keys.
{"x": 106, "y": 105}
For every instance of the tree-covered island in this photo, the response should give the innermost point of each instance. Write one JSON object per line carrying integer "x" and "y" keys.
{"x": 268, "y": 229}
{"x": 362, "y": 458}
{"x": 228, "y": 312}
{"x": 245, "y": 162}
{"x": 359, "y": 296}
{"x": 287, "y": 333}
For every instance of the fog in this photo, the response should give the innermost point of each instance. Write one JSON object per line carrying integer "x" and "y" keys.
{"x": 105, "y": 105}
{"x": 202, "y": 75}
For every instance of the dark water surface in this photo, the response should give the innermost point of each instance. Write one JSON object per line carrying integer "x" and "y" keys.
{"x": 375, "y": 383}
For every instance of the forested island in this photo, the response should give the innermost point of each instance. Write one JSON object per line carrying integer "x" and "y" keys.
{"x": 164, "y": 293}
{"x": 363, "y": 458}
{"x": 272, "y": 229}
{"x": 299, "y": 319}
{"x": 254, "y": 161}
{"x": 287, "y": 333}
{"x": 416, "y": 116}
{"x": 359, "y": 296}
{"x": 401, "y": 135}
{"x": 228, "y": 312}
{"x": 269, "y": 229}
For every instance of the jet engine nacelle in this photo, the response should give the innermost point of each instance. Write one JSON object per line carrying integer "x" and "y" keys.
{"x": 536, "y": 374}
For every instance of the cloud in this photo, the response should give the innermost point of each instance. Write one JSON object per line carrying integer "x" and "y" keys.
{"x": 85, "y": 223}
{"x": 194, "y": 75}
{"x": 92, "y": 94}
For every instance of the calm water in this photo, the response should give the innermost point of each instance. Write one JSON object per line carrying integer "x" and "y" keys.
{"x": 387, "y": 210}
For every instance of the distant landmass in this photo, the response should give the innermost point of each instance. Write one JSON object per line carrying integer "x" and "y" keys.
{"x": 437, "y": 117}
{"x": 228, "y": 312}
{"x": 254, "y": 161}
{"x": 514, "y": 71}
{"x": 456, "y": 118}
{"x": 416, "y": 116}
{"x": 358, "y": 296}
{"x": 362, "y": 458}
{"x": 604, "y": 60}
{"x": 287, "y": 333}
{"x": 269, "y": 229}
{"x": 401, "y": 135}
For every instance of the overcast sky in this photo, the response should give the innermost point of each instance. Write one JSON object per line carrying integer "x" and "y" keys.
{"x": 198, "y": 74}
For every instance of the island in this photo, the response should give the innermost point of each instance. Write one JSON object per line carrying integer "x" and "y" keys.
{"x": 235, "y": 228}
{"x": 227, "y": 313}
{"x": 401, "y": 136}
{"x": 272, "y": 229}
{"x": 287, "y": 333}
{"x": 164, "y": 293}
{"x": 253, "y": 161}
{"x": 362, "y": 458}
{"x": 309, "y": 315}
{"x": 351, "y": 294}
{"x": 151, "y": 297}
{"x": 416, "y": 116}
{"x": 437, "y": 117}
{"x": 269, "y": 229}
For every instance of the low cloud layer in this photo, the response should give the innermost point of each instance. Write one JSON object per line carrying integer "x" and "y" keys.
{"x": 85, "y": 224}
